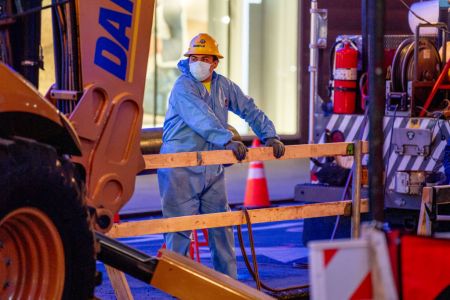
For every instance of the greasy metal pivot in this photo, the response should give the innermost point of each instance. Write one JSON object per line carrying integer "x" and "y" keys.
{"x": 126, "y": 259}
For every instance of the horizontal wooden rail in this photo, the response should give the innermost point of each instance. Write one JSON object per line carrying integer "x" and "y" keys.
{"x": 203, "y": 158}
{"x": 263, "y": 215}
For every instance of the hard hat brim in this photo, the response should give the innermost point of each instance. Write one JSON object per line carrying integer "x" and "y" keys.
{"x": 189, "y": 53}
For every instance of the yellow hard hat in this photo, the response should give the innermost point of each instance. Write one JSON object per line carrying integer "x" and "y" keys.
{"x": 204, "y": 44}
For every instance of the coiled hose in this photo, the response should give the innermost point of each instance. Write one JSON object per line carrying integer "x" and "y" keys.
{"x": 254, "y": 271}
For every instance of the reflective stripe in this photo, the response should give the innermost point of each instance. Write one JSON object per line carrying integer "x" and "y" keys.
{"x": 256, "y": 170}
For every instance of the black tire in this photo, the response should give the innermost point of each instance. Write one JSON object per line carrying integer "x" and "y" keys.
{"x": 32, "y": 174}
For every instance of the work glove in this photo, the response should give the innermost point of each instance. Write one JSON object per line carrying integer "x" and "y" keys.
{"x": 277, "y": 145}
{"x": 238, "y": 148}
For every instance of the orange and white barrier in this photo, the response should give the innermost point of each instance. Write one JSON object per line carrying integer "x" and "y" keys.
{"x": 340, "y": 270}
{"x": 351, "y": 269}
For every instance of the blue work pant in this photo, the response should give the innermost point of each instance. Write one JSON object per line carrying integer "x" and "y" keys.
{"x": 192, "y": 191}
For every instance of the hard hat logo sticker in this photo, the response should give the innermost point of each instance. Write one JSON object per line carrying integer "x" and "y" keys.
{"x": 203, "y": 44}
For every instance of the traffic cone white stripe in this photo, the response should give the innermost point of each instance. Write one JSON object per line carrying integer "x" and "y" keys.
{"x": 256, "y": 173}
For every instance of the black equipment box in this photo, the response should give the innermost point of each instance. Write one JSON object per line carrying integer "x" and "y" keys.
{"x": 322, "y": 228}
{"x": 318, "y": 193}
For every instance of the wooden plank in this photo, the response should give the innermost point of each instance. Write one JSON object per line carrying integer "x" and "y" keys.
{"x": 365, "y": 147}
{"x": 424, "y": 224}
{"x": 190, "y": 159}
{"x": 119, "y": 283}
{"x": 356, "y": 191}
{"x": 184, "y": 278}
{"x": 262, "y": 215}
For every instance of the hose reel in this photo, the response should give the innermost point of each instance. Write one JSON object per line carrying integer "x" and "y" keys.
{"x": 412, "y": 81}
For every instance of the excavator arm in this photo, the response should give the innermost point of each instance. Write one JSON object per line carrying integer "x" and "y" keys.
{"x": 114, "y": 41}
{"x": 68, "y": 160}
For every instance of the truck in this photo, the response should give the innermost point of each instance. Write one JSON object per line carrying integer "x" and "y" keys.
{"x": 415, "y": 128}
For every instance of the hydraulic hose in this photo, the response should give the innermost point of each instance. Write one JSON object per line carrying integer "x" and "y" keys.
{"x": 254, "y": 271}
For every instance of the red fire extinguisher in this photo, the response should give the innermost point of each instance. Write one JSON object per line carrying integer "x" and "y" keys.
{"x": 345, "y": 77}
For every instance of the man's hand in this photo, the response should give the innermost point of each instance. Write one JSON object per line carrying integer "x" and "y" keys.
{"x": 238, "y": 148}
{"x": 277, "y": 145}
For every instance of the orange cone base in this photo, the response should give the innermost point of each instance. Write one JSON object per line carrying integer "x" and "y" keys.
{"x": 256, "y": 194}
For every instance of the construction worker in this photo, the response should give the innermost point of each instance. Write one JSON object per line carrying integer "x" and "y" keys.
{"x": 196, "y": 120}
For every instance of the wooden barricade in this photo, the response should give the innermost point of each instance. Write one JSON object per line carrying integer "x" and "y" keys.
{"x": 432, "y": 196}
{"x": 216, "y": 157}
{"x": 188, "y": 159}
{"x": 262, "y": 215}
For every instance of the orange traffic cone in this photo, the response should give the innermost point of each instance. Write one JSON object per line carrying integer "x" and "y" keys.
{"x": 256, "y": 192}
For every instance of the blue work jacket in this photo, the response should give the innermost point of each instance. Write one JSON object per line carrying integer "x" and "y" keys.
{"x": 197, "y": 120}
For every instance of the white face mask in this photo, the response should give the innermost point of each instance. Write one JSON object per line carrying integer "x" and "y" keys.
{"x": 200, "y": 70}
